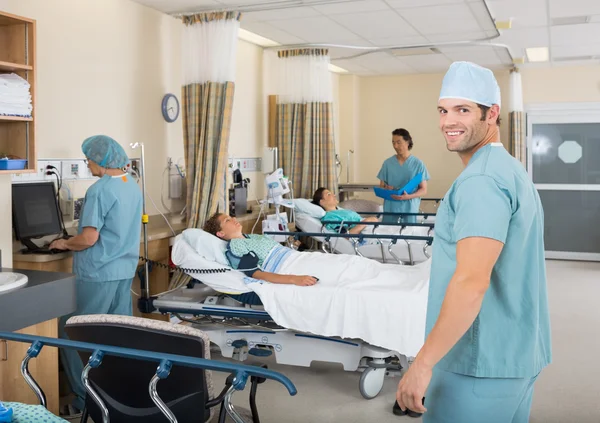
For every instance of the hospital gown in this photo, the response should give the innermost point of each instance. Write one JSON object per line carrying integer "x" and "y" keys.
{"x": 260, "y": 245}
{"x": 340, "y": 215}
{"x": 396, "y": 175}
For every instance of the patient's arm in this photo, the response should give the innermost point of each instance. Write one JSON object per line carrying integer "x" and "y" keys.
{"x": 359, "y": 228}
{"x": 284, "y": 279}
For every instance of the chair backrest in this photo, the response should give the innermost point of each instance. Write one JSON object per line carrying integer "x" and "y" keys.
{"x": 122, "y": 383}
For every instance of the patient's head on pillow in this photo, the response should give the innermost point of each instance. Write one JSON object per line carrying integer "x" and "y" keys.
{"x": 223, "y": 226}
{"x": 325, "y": 198}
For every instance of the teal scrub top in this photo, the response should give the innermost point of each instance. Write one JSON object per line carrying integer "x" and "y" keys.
{"x": 340, "y": 215}
{"x": 394, "y": 174}
{"x": 113, "y": 205}
{"x": 494, "y": 198}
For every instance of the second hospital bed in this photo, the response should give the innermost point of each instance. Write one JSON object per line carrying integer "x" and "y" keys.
{"x": 308, "y": 219}
{"x": 284, "y": 322}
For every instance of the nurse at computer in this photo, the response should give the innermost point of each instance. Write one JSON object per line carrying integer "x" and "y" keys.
{"x": 396, "y": 172}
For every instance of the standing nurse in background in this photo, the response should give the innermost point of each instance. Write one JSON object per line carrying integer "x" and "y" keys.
{"x": 396, "y": 172}
{"x": 106, "y": 247}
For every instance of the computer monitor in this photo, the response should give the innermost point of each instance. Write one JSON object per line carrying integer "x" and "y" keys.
{"x": 35, "y": 212}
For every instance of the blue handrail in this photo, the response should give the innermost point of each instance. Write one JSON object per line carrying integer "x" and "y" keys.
{"x": 396, "y": 214}
{"x": 241, "y": 371}
{"x": 347, "y": 222}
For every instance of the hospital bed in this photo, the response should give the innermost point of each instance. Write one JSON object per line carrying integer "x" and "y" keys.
{"x": 124, "y": 383}
{"x": 401, "y": 251}
{"x": 240, "y": 327}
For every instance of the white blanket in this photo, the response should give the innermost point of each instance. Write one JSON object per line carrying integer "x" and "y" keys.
{"x": 382, "y": 304}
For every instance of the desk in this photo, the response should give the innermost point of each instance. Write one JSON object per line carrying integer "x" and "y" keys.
{"x": 159, "y": 249}
{"x": 34, "y": 309}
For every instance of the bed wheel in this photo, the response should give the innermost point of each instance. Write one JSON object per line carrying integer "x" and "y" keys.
{"x": 371, "y": 382}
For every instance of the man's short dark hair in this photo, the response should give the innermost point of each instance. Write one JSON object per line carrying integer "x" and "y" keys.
{"x": 484, "y": 111}
{"x": 401, "y": 132}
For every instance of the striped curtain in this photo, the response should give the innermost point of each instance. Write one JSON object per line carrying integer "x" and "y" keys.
{"x": 305, "y": 142}
{"x": 304, "y": 129}
{"x": 209, "y": 53}
{"x": 518, "y": 143}
{"x": 206, "y": 125}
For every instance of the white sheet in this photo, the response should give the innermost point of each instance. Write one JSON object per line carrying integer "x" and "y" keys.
{"x": 382, "y": 304}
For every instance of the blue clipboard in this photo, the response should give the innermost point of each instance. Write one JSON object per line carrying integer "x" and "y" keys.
{"x": 409, "y": 188}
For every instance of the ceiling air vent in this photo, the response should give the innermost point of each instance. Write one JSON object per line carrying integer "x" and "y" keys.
{"x": 574, "y": 58}
{"x": 571, "y": 20}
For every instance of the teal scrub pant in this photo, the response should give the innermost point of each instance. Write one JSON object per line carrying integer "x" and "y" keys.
{"x": 453, "y": 398}
{"x": 110, "y": 297}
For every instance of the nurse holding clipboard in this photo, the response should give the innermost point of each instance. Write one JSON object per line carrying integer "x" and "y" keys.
{"x": 396, "y": 172}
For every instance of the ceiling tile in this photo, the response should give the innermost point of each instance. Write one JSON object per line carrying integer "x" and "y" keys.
{"x": 375, "y": 24}
{"x": 525, "y": 14}
{"x": 249, "y": 2}
{"x": 278, "y": 14}
{"x": 316, "y": 30}
{"x": 463, "y": 36}
{"x": 349, "y": 65}
{"x": 428, "y": 63}
{"x": 520, "y": 39}
{"x": 448, "y": 19}
{"x": 572, "y": 35}
{"x": 180, "y": 6}
{"x": 576, "y": 50}
{"x": 482, "y": 15}
{"x": 268, "y": 31}
{"x": 399, "y": 41}
{"x": 398, "y": 4}
{"x": 352, "y": 7}
{"x": 568, "y": 8}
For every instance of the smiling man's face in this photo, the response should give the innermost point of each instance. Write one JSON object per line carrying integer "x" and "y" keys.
{"x": 462, "y": 124}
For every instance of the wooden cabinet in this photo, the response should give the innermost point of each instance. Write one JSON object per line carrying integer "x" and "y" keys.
{"x": 44, "y": 368}
{"x": 17, "y": 55}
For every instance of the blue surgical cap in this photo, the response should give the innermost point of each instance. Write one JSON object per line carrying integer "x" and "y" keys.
{"x": 471, "y": 82}
{"x": 104, "y": 151}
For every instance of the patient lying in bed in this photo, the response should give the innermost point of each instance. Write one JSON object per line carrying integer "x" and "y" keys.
{"x": 328, "y": 201}
{"x": 329, "y": 294}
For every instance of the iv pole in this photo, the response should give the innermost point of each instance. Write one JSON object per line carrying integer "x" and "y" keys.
{"x": 145, "y": 291}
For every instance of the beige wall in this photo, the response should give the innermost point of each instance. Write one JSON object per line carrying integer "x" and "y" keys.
{"x": 103, "y": 67}
{"x": 561, "y": 84}
{"x": 374, "y": 106}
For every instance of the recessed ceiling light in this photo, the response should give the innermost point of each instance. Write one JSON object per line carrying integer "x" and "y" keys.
{"x": 538, "y": 54}
{"x": 253, "y": 38}
{"x": 574, "y": 58}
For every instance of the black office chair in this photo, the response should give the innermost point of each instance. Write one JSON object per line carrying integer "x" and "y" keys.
{"x": 122, "y": 383}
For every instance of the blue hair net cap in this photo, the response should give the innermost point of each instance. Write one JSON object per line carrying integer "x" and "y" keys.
{"x": 104, "y": 151}
{"x": 471, "y": 82}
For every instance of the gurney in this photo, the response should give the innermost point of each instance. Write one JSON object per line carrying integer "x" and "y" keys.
{"x": 277, "y": 324}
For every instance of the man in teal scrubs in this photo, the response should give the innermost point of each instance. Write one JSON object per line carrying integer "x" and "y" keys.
{"x": 106, "y": 247}
{"x": 396, "y": 172}
{"x": 488, "y": 326}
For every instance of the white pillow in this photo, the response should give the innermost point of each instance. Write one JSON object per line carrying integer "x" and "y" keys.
{"x": 302, "y": 205}
{"x": 184, "y": 256}
{"x": 206, "y": 245}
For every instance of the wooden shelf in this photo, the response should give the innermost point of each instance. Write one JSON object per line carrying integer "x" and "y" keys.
{"x": 15, "y": 119}
{"x": 7, "y": 19}
{"x": 13, "y": 172}
{"x": 12, "y": 67}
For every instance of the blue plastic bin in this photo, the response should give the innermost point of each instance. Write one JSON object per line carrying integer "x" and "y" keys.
{"x": 12, "y": 164}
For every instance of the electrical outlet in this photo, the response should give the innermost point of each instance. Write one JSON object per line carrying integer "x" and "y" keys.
{"x": 42, "y": 169}
{"x": 75, "y": 169}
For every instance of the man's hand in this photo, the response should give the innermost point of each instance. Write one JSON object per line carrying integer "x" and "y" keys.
{"x": 412, "y": 387}
{"x": 303, "y": 280}
{"x": 402, "y": 197}
{"x": 59, "y": 244}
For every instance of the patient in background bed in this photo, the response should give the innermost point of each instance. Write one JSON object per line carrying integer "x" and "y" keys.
{"x": 328, "y": 201}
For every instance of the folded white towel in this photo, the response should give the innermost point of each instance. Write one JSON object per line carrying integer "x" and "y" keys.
{"x": 13, "y": 80}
